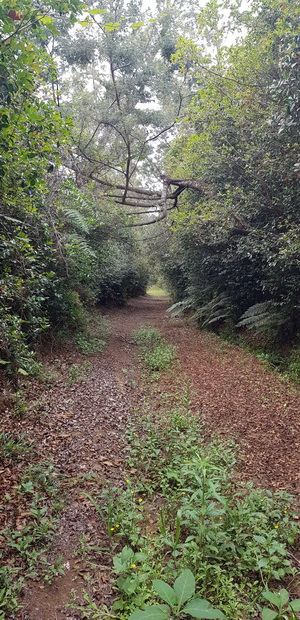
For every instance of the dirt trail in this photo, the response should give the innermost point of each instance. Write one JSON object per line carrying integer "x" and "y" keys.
{"x": 82, "y": 427}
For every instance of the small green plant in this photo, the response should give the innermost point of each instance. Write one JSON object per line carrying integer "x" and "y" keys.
{"x": 19, "y": 403}
{"x": 291, "y": 365}
{"x": 52, "y": 570}
{"x": 12, "y": 447}
{"x": 146, "y": 336}
{"x": 181, "y": 599}
{"x": 120, "y": 511}
{"x": 89, "y": 345}
{"x": 284, "y": 608}
{"x": 155, "y": 350}
{"x": 79, "y": 372}
{"x": 41, "y": 477}
{"x": 11, "y": 584}
{"x": 160, "y": 357}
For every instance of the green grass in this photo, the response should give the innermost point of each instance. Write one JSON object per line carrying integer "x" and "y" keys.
{"x": 156, "y": 291}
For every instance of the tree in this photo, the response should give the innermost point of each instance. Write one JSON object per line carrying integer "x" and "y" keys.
{"x": 53, "y": 238}
{"x": 126, "y": 96}
{"x": 238, "y": 240}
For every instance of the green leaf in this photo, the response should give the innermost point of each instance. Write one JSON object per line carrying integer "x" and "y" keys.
{"x": 110, "y": 26}
{"x": 269, "y": 614}
{"x": 295, "y": 604}
{"x": 273, "y": 598}
{"x": 22, "y": 372}
{"x": 151, "y": 612}
{"x": 184, "y": 586}
{"x": 262, "y": 563}
{"x": 97, "y": 11}
{"x": 47, "y": 19}
{"x": 126, "y": 554}
{"x": 259, "y": 539}
{"x": 3, "y": 362}
{"x": 284, "y": 596}
{"x": 165, "y": 591}
{"x": 137, "y": 25}
{"x": 11, "y": 219}
{"x": 118, "y": 566}
{"x": 199, "y": 608}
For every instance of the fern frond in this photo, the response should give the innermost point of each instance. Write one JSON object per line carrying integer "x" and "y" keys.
{"x": 261, "y": 316}
{"x": 217, "y": 309}
{"x": 78, "y": 245}
{"x": 76, "y": 219}
{"x": 180, "y": 306}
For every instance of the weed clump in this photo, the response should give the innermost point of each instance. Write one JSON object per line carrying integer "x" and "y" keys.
{"x": 156, "y": 352}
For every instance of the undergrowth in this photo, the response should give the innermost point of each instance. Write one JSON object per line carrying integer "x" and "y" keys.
{"x": 285, "y": 362}
{"x": 155, "y": 351}
{"x": 181, "y": 517}
{"x": 26, "y": 544}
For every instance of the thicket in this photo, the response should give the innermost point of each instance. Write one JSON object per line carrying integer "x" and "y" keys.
{"x": 63, "y": 248}
{"x": 234, "y": 252}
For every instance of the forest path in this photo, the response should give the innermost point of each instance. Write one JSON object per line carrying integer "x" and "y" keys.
{"x": 236, "y": 394}
{"x": 82, "y": 429}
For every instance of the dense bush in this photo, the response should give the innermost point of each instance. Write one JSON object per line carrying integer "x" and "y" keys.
{"x": 235, "y": 243}
{"x": 54, "y": 239}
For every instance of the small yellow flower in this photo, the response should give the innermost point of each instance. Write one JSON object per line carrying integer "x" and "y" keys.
{"x": 133, "y": 565}
{"x": 140, "y": 499}
{"x": 112, "y": 529}
{"x": 285, "y": 511}
{"x": 126, "y": 480}
{"x": 276, "y": 527}
{"x": 132, "y": 492}
{"x": 220, "y": 517}
{"x": 117, "y": 525}
{"x": 183, "y": 493}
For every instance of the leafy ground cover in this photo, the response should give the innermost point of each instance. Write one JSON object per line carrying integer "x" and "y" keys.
{"x": 147, "y": 489}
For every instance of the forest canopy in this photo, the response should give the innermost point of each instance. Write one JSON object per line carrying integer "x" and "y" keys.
{"x": 114, "y": 117}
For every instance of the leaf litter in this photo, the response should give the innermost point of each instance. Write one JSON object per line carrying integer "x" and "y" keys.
{"x": 81, "y": 426}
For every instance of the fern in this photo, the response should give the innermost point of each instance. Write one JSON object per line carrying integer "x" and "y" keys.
{"x": 177, "y": 309}
{"x": 217, "y": 309}
{"x": 261, "y": 316}
{"x": 78, "y": 245}
{"x": 76, "y": 219}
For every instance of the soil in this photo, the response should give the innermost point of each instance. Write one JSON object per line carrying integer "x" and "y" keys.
{"x": 81, "y": 427}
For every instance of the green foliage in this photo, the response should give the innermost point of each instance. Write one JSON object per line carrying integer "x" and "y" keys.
{"x": 179, "y": 508}
{"x": 88, "y": 345}
{"x": 237, "y": 237}
{"x": 57, "y": 253}
{"x": 26, "y": 547}
{"x": 155, "y": 350}
{"x": 285, "y": 609}
{"x": 11, "y": 447}
{"x": 182, "y": 591}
